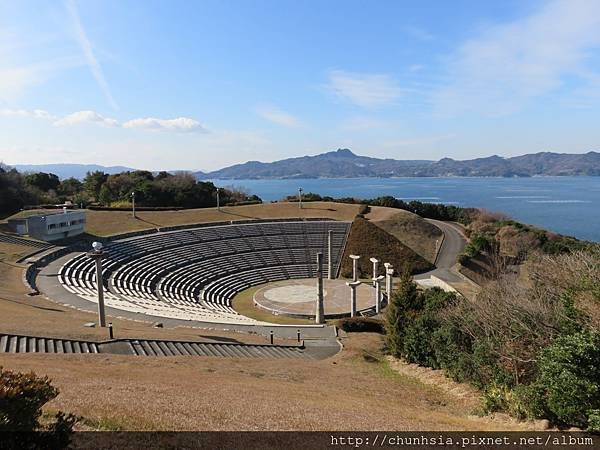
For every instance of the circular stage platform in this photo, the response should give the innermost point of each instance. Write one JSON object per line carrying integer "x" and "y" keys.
{"x": 298, "y": 298}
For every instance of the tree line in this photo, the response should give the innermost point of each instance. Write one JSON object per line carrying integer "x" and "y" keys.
{"x": 164, "y": 189}
{"x": 437, "y": 211}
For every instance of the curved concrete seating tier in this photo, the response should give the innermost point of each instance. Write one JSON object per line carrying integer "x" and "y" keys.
{"x": 194, "y": 274}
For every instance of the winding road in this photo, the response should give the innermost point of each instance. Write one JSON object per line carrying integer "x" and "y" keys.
{"x": 452, "y": 246}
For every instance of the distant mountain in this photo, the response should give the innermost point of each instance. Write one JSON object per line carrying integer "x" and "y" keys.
{"x": 337, "y": 164}
{"x": 69, "y": 170}
{"x": 345, "y": 164}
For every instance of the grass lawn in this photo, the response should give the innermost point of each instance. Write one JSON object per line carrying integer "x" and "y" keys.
{"x": 106, "y": 223}
{"x": 355, "y": 390}
{"x": 244, "y": 304}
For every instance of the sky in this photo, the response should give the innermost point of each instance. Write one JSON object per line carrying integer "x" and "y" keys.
{"x": 199, "y": 85}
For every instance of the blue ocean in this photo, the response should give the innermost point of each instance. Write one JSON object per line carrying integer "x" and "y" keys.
{"x": 566, "y": 205}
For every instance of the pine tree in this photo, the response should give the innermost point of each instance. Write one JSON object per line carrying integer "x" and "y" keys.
{"x": 402, "y": 299}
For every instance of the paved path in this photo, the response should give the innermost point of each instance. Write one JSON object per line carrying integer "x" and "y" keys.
{"x": 453, "y": 245}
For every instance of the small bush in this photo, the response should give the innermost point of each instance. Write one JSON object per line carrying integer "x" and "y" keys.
{"x": 361, "y": 325}
{"x": 364, "y": 209}
{"x": 22, "y": 396}
{"x": 567, "y": 389}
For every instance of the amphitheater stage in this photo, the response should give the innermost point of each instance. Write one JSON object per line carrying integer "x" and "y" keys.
{"x": 297, "y": 298}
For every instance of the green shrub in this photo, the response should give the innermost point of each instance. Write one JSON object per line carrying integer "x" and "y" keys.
{"x": 22, "y": 396}
{"x": 364, "y": 209}
{"x": 567, "y": 389}
{"x": 361, "y": 325}
{"x": 594, "y": 420}
{"x": 412, "y": 320}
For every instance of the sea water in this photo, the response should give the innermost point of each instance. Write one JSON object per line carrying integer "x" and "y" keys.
{"x": 566, "y": 205}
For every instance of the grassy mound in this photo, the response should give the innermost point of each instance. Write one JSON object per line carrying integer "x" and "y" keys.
{"x": 410, "y": 229}
{"x": 368, "y": 240}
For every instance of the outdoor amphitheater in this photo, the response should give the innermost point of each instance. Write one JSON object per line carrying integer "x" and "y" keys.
{"x": 194, "y": 274}
{"x": 242, "y": 304}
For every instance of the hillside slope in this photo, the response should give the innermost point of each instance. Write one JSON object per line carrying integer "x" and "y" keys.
{"x": 409, "y": 228}
{"x": 368, "y": 240}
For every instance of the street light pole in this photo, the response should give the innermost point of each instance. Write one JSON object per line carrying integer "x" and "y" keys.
{"x": 97, "y": 254}
{"x": 133, "y": 204}
{"x": 218, "y": 200}
{"x": 300, "y": 197}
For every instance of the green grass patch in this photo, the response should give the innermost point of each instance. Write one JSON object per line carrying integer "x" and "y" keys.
{"x": 243, "y": 303}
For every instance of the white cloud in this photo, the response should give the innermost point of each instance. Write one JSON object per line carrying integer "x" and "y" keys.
{"x": 86, "y": 117}
{"x": 507, "y": 65}
{"x": 180, "y": 124}
{"x": 36, "y": 113}
{"x": 88, "y": 52}
{"x": 278, "y": 116}
{"x": 365, "y": 90}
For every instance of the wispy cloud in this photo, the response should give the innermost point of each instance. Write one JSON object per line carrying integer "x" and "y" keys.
{"x": 88, "y": 52}
{"x": 365, "y": 90}
{"x": 505, "y": 66}
{"x": 86, "y": 117}
{"x": 180, "y": 124}
{"x": 35, "y": 113}
{"x": 278, "y": 116}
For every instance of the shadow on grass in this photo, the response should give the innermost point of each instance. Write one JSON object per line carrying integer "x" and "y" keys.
{"x": 238, "y": 215}
{"x": 32, "y": 306}
{"x": 148, "y": 222}
{"x": 220, "y": 339}
{"x": 319, "y": 209}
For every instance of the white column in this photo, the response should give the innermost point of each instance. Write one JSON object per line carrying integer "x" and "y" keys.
{"x": 329, "y": 255}
{"x": 355, "y": 259}
{"x": 353, "y": 286}
{"x": 375, "y": 262}
{"x": 389, "y": 271}
{"x": 390, "y": 282}
{"x": 320, "y": 310}
{"x": 377, "y": 283}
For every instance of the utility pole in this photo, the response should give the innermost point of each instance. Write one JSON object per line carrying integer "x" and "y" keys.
{"x": 300, "y": 190}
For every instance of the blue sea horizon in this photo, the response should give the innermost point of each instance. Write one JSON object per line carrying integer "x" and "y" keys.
{"x": 566, "y": 205}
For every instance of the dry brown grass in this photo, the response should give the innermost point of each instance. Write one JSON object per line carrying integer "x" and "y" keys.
{"x": 410, "y": 229}
{"x": 349, "y": 392}
{"x": 105, "y": 223}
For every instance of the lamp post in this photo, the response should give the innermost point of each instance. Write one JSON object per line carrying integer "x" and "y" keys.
{"x": 300, "y": 190}
{"x": 133, "y": 204}
{"x": 218, "y": 199}
{"x": 97, "y": 254}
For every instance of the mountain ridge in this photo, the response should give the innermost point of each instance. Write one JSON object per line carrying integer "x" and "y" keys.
{"x": 343, "y": 163}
